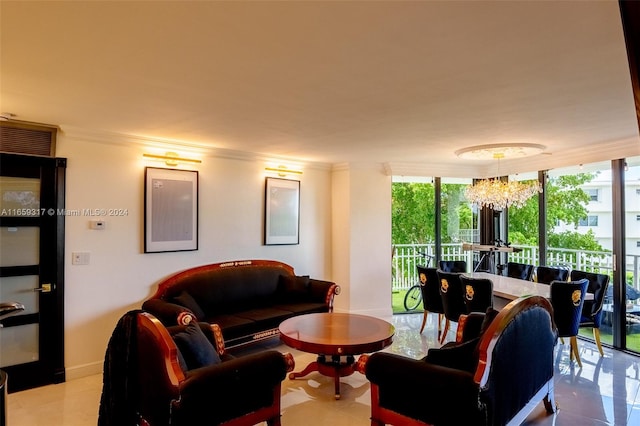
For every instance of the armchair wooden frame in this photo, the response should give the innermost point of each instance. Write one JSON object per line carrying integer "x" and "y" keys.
{"x": 389, "y": 416}
{"x": 172, "y": 376}
{"x": 482, "y": 377}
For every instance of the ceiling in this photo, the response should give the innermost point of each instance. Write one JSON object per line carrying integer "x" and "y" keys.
{"x": 400, "y": 84}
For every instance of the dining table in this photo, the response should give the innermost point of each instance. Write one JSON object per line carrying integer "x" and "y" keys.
{"x": 506, "y": 289}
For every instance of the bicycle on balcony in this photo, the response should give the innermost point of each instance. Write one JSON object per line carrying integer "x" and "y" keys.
{"x": 413, "y": 298}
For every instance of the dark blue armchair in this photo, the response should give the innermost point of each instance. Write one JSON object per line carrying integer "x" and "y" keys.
{"x": 495, "y": 379}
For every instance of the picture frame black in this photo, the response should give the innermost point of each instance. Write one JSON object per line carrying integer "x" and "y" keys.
{"x": 170, "y": 210}
{"x": 282, "y": 211}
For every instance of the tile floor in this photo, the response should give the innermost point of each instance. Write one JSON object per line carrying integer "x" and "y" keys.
{"x": 606, "y": 391}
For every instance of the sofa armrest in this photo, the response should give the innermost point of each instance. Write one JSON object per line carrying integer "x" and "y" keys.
{"x": 323, "y": 291}
{"x": 168, "y": 313}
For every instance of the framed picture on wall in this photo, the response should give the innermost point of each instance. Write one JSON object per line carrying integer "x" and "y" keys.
{"x": 170, "y": 210}
{"x": 282, "y": 211}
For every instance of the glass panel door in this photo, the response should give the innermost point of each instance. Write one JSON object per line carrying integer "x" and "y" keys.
{"x": 19, "y": 247}
{"x": 31, "y": 341}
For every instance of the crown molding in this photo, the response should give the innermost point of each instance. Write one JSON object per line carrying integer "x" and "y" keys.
{"x": 341, "y": 167}
{"x": 122, "y": 139}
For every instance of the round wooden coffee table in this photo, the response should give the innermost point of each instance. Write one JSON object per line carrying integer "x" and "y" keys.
{"x": 336, "y": 338}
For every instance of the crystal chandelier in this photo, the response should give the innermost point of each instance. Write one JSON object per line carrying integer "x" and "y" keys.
{"x": 496, "y": 193}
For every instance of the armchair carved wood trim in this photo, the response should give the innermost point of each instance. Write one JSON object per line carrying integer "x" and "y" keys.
{"x": 246, "y": 388}
{"x": 512, "y": 373}
{"x": 148, "y": 379}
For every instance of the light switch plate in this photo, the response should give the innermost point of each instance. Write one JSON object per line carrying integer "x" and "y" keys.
{"x": 80, "y": 258}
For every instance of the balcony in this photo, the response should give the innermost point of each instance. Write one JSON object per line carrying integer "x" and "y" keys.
{"x": 407, "y": 256}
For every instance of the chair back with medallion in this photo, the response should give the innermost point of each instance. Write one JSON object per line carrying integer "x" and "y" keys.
{"x": 431, "y": 300}
{"x": 478, "y": 293}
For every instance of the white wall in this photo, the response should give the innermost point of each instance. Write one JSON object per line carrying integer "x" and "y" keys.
{"x": 120, "y": 276}
{"x": 362, "y": 239}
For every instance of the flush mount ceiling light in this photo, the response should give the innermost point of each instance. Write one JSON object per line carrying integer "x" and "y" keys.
{"x": 496, "y": 193}
{"x": 506, "y": 150}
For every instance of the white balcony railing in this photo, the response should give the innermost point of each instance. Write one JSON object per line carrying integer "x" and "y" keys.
{"x": 407, "y": 256}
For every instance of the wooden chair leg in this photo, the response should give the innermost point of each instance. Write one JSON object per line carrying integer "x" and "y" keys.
{"x": 375, "y": 406}
{"x": 444, "y": 333}
{"x": 570, "y": 350}
{"x": 574, "y": 349}
{"x": 596, "y": 336}
{"x": 424, "y": 320}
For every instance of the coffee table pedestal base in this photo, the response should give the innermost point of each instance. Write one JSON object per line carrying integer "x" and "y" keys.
{"x": 334, "y": 366}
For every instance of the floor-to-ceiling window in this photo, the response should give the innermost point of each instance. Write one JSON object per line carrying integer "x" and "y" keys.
{"x": 431, "y": 218}
{"x": 577, "y": 209}
{"x": 632, "y": 258}
{"x": 522, "y": 226}
{"x": 458, "y": 222}
{"x": 579, "y": 228}
{"x": 579, "y": 217}
{"x": 413, "y": 234}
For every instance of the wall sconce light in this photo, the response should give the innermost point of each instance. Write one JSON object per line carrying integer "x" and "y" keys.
{"x": 172, "y": 158}
{"x": 283, "y": 171}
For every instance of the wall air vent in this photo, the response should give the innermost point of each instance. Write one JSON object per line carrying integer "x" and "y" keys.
{"x": 19, "y": 137}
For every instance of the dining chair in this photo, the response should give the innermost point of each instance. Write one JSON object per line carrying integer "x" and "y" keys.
{"x": 521, "y": 271}
{"x": 567, "y": 300}
{"x": 478, "y": 293}
{"x": 592, "y": 312}
{"x": 431, "y": 300}
{"x": 546, "y": 274}
{"x": 452, "y": 295}
{"x": 453, "y": 265}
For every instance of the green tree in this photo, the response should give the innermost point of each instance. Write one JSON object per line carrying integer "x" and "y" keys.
{"x": 566, "y": 202}
{"x": 575, "y": 240}
{"x": 456, "y": 212}
{"x": 413, "y": 213}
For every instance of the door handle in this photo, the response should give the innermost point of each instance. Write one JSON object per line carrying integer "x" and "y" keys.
{"x": 46, "y": 288}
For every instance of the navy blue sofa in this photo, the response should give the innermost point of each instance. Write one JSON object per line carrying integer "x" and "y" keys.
{"x": 247, "y": 299}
